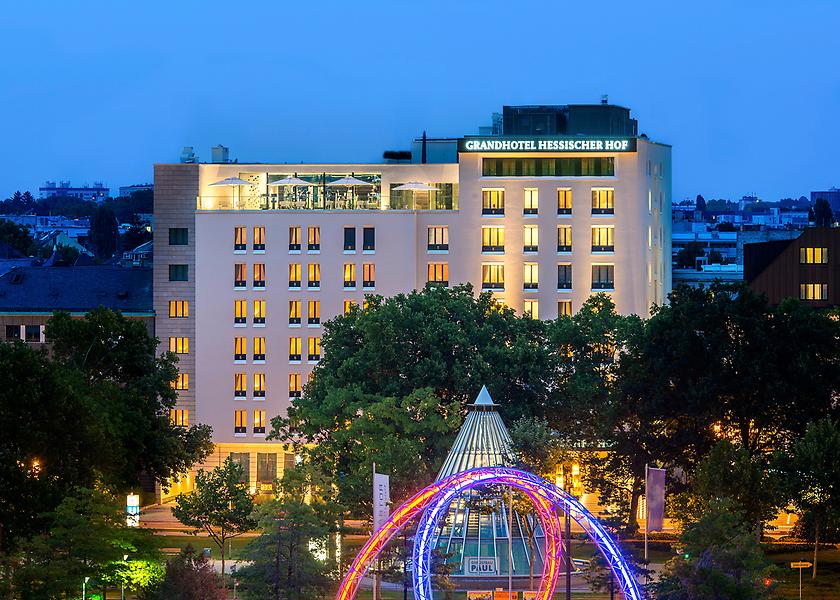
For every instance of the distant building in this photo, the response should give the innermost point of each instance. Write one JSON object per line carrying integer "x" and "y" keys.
{"x": 832, "y": 195}
{"x": 127, "y": 190}
{"x": 806, "y": 267}
{"x": 40, "y": 225}
{"x": 96, "y": 192}
{"x": 708, "y": 274}
{"x": 141, "y": 256}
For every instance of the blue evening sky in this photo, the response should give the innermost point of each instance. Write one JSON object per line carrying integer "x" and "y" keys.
{"x": 747, "y": 92}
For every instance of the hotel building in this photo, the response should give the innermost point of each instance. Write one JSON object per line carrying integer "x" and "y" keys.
{"x": 252, "y": 259}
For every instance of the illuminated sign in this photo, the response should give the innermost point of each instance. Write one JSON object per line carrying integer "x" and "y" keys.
{"x": 132, "y": 510}
{"x": 546, "y": 144}
{"x": 481, "y": 565}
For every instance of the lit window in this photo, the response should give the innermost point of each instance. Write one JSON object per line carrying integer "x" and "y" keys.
{"x": 564, "y": 276}
{"x": 294, "y": 275}
{"x": 564, "y": 308}
{"x": 350, "y": 239}
{"x": 531, "y": 243}
{"x": 368, "y": 239}
{"x": 564, "y": 238}
{"x": 178, "y": 272}
{"x": 314, "y": 349}
{"x": 438, "y": 273}
{"x": 813, "y": 291}
{"x": 492, "y": 202}
{"x": 349, "y": 275}
{"x": 348, "y": 306}
{"x": 259, "y": 276}
{"x": 313, "y": 239}
{"x": 259, "y": 238}
{"x": 602, "y": 239}
{"x": 240, "y": 348}
{"x": 259, "y": 385}
{"x": 368, "y": 275}
{"x": 810, "y": 256}
{"x": 602, "y": 201}
{"x": 240, "y": 421}
{"x": 532, "y": 309}
{"x": 259, "y": 421}
{"x": 259, "y": 348}
{"x": 314, "y": 312}
{"x": 178, "y": 236}
{"x": 240, "y": 275}
{"x": 179, "y": 345}
{"x": 240, "y": 312}
{"x": 493, "y": 276}
{"x": 182, "y": 382}
{"x": 294, "y": 238}
{"x": 294, "y": 348}
{"x": 531, "y": 276}
{"x": 564, "y": 201}
{"x": 438, "y": 239}
{"x": 531, "y": 201}
{"x": 179, "y": 309}
{"x": 314, "y": 279}
{"x": 603, "y": 277}
{"x": 239, "y": 385}
{"x": 294, "y": 385}
{"x": 492, "y": 239}
{"x": 179, "y": 417}
{"x": 259, "y": 312}
{"x": 239, "y": 239}
{"x": 294, "y": 312}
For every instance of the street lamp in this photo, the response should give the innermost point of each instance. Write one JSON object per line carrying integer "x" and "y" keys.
{"x": 122, "y": 580}
{"x": 84, "y": 588}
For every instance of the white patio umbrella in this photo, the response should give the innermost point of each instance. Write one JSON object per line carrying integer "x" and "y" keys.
{"x": 350, "y": 182}
{"x": 414, "y": 187}
{"x": 234, "y": 182}
{"x": 292, "y": 182}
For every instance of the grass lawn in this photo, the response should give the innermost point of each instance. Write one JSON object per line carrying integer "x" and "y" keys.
{"x": 200, "y": 542}
{"x": 825, "y": 587}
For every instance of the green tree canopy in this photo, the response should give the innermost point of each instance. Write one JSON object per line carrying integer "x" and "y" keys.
{"x": 103, "y": 233}
{"x": 17, "y": 237}
{"x": 822, "y": 213}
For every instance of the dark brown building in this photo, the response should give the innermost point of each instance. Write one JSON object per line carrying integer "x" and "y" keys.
{"x": 807, "y": 267}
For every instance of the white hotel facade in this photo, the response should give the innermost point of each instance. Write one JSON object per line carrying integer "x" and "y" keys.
{"x": 245, "y": 275}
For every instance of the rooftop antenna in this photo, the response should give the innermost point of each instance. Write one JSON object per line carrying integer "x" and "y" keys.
{"x": 605, "y": 99}
{"x": 423, "y": 150}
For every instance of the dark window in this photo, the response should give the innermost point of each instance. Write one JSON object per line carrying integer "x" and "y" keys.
{"x": 350, "y": 238}
{"x": 548, "y": 167}
{"x": 564, "y": 277}
{"x": 369, "y": 238}
{"x": 243, "y": 459}
{"x": 603, "y": 277}
{"x": 266, "y": 467}
{"x": 178, "y": 272}
{"x": 178, "y": 236}
{"x": 33, "y": 333}
{"x": 289, "y": 461}
{"x": 12, "y": 332}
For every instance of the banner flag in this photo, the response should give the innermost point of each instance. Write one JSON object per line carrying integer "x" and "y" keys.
{"x": 381, "y": 499}
{"x": 655, "y": 498}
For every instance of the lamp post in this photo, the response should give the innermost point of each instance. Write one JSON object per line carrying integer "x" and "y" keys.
{"x": 84, "y": 588}
{"x": 122, "y": 579}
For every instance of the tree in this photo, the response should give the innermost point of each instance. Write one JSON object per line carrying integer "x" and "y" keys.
{"x": 813, "y": 475}
{"x": 17, "y": 237}
{"x": 133, "y": 237}
{"x": 823, "y": 216}
{"x": 700, "y": 203}
{"x": 219, "y": 505}
{"x": 18, "y": 204}
{"x": 715, "y": 258}
{"x": 189, "y": 576}
{"x": 688, "y": 255}
{"x": 65, "y": 256}
{"x": 103, "y": 233}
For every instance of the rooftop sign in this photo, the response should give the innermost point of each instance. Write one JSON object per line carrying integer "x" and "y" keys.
{"x": 546, "y": 144}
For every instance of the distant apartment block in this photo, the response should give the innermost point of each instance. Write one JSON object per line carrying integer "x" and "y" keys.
{"x": 832, "y": 195}
{"x": 127, "y": 190}
{"x": 96, "y": 192}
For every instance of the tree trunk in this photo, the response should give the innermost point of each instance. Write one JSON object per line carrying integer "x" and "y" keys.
{"x": 635, "y": 494}
{"x": 816, "y": 543}
{"x": 277, "y": 565}
{"x": 531, "y": 562}
{"x": 224, "y": 581}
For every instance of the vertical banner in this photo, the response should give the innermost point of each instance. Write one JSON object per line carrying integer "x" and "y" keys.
{"x": 381, "y": 499}
{"x": 655, "y": 498}
{"x": 132, "y": 510}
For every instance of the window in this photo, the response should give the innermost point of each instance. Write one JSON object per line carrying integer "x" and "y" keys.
{"x": 313, "y": 239}
{"x": 259, "y": 312}
{"x": 179, "y": 309}
{"x": 438, "y": 239}
{"x": 492, "y": 239}
{"x": 602, "y": 201}
{"x": 240, "y": 349}
{"x": 240, "y": 312}
{"x": 239, "y": 239}
{"x": 179, "y": 345}
{"x": 267, "y": 468}
{"x": 294, "y": 276}
{"x": 564, "y": 308}
{"x": 259, "y": 238}
{"x": 259, "y": 276}
{"x": 294, "y": 348}
{"x": 349, "y": 276}
{"x": 294, "y": 385}
{"x": 564, "y": 276}
{"x": 259, "y": 348}
{"x": 313, "y": 281}
{"x": 179, "y": 417}
{"x": 564, "y": 238}
{"x": 813, "y": 291}
{"x": 548, "y": 167}
{"x": 564, "y": 201}
{"x": 531, "y": 243}
{"x": 240, "y": 275}
{"x": 259, "y": 421}
{"x": 532, "y": 309}
{"x": 368, "y": 275}
{"x": 492, "y": 202}
{"x": 294, "y": 238}
{"x": 810, "y": 256}
{"x": 368, "y": 239}
{"x": 531, "y": 201}
{"x": 349, "y": 239}
{"x": 12, "y": 332}
{"x": 32, "y": 333}
{"x": 492, "y": 277}
{"x": 602, "y": 239}
{"x": 294, "y": 312}
{"x": 314, "y": 312}
{"x": 182, "y": 382}
{"x": 239, "y": 385}
{"x": 531, "y": 276}
{"x": 348, "y": 306}
{"x": 438, "y": 274}
{"x": 178, "y": 236}
{"x": 240, "y": 421}
{"x": 603, "y": 277}
{"x": 243, "y": 459}
{"x": 314, "y": 349}
{"x": 259, "y": 385}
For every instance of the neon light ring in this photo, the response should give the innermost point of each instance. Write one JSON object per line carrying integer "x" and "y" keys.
{"x": 435, "y": 499}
